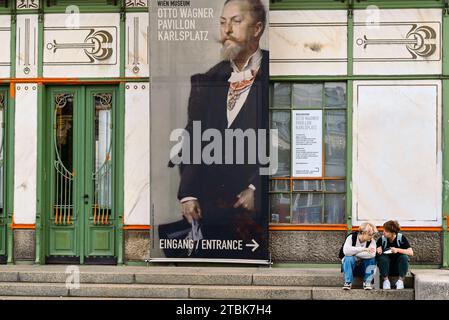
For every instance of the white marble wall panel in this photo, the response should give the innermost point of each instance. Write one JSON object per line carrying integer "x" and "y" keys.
{"x": 397, "y": 152}
{"x": 87, "y": 47}
{"x": 399, "y": 42}
{"x": 137, "y": 45}
{"x": 5, "y": 37}
{"x": 308, "y": 42}
{"x": 26, "y": 59}
{"x": 25, "y": 153}
{"x": 137, "y": 154}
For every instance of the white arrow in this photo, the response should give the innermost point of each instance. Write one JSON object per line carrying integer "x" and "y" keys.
{"x": 255, "y": 245}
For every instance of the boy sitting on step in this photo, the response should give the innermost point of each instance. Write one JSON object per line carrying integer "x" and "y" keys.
{"x": 359, "y": 256}
{"x": 393, "y": 251}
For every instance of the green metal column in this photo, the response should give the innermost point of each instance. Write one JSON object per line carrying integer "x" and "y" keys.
{"x": 445, "y": 138}
{"x": 349, "y": 98}
{"x": 41, "y": 175}
{"x": 445, "y": 172}
{"x": 120, "y": 134}
{"x": 9, "y": 130}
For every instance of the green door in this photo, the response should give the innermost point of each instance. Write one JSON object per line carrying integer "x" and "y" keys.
{"x": 81, "y": 219}
{"x": 3, "y": 215}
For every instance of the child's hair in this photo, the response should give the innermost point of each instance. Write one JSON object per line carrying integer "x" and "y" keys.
{"x": 392, "y": 226}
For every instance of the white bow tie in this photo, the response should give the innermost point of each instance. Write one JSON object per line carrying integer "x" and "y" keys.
{"x": 240, "y": 76}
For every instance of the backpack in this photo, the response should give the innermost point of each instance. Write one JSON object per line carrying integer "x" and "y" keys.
{"x": 341, "y": 254}
{"x": 398, "y": 241}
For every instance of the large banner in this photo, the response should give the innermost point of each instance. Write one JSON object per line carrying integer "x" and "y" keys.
{"x": 209, "y": 130}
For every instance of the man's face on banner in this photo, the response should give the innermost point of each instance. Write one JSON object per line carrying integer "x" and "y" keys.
{"x": 237, "y": 29}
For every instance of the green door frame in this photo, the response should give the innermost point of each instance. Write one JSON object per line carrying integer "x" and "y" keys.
{"x": 3, "y": 167}
{"x": 83, "y": 238}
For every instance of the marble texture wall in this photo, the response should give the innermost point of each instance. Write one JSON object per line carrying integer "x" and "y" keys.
{"x": 397, "y": 152}
{"x": 137, "y": 154}
{"x": 399, "y": 42}
{"x": 25, "y": 153}
{"x": 86, "y": 47}
{"x": 308, "y": 42}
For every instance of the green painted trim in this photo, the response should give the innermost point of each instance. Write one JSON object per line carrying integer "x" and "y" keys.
{"x": 136, "y": 264}
{"x": 445, "y": 44}
{"x": 120, "y": 141}
{"x": 349, "y": 130}
{"x": 399, "y": 4}
{"x": 90, "y": 245}
{"x": 41, "y": 177}
{"x": 93, "y": 6}
{"x": 357, "y": 78}
{"x": 78, "y": 150}
{"x": 24, "y": 12}
{"x": 324, "y": 5}
{"x": 445, "y": 245}
{"x": 306, "y": 5}
{"x": 350, "y": 43}
{"x": 83, "y": 10}
{"x": 9, "y": 131}
{"x": 4, "y": 214}
{"x": 120, "y": 175}
{"x": 40, "y": 43}
{"x": 122, "y": 39}
{"x": 445, "y": 173}
{"x": 349, "y": 101}
{"x": 24, "y": 263}
{"x": 137, "y": 10}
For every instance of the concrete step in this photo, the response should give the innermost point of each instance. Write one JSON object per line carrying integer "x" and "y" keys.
{"x": 360, "y": 294}
{"x": 140, "y": 291}
{"x": 329, "y": 277}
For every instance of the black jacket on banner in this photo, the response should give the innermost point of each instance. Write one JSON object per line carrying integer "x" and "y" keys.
{"x": 217, "y": 185}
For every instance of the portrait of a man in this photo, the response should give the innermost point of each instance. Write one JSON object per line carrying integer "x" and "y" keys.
{"x": 228, "y": 198}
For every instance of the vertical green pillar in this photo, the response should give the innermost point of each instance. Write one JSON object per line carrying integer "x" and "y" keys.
{"x": 10, "y": 145}
{"x": 120, "y": 134}
{"x": 40, "y": 177}
{"x": 445, "y": 172}
{"x": 40, "y": 194}
{"x": 349, "y": 98}
{"x": 445, "y": 138}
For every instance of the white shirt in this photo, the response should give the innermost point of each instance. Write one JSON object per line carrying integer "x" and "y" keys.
{"x": 359, "y": 248}
{"x": 253, "y": 64}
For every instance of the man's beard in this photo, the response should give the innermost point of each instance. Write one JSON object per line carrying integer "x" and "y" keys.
{"x": 230, "y": 51}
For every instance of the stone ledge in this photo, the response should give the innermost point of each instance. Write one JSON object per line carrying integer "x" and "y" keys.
{"x": 251, "y": 292}
{"x": 9, "y": 276}
{"x": 208, "y": 278}
{"x": 431, "y": 284}
{"x": 85, "y": 277}
{"x": 360, "y": 294}
{"x": 33, "y": 289}
{"x": 131, "y": 291}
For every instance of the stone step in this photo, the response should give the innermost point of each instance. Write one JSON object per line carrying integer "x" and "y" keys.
{"x": 329, "y": 277}
{"x": 360, "y": 294}
{"x": 57, "y": 290}
{"x": 297, "y": 293}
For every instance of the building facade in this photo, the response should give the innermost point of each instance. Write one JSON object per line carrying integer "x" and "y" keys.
{"x": 359, "y": 95}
